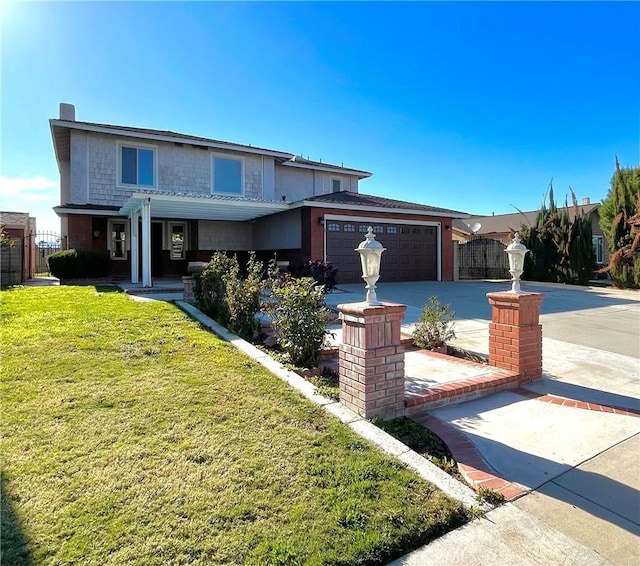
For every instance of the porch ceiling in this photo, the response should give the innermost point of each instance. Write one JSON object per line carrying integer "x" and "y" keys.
{"x": 201, "y": 207}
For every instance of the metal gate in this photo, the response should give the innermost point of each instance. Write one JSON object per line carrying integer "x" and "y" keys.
{"x": 41, "y": 246}
{"x": 483, "y": 258}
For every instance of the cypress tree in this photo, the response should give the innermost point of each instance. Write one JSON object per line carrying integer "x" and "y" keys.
{"x": 619, "y": 222}
{"x": 561, "y": 249}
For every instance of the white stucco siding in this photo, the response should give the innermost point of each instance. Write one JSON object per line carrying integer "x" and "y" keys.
{"x": 282, "y": 231}
{"x": 224, "y": 236}
{"x": 78, "y": 175}
{"x": 327, "y": 186}
{"x": 65, "y": 182}
{"x": 294, "y": 183}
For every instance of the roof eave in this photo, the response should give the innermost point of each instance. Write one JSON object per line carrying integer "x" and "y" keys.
{"x": 167, "y": 138}
{"x": 383, "y": 209}
{"x": 330, "y": 169}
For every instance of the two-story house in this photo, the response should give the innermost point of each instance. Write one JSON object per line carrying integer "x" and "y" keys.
{"x": 157, "y": 199}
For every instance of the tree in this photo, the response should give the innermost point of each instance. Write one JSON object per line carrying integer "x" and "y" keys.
{"x": 619, "y": 222}
{"x": 561, "y": 249}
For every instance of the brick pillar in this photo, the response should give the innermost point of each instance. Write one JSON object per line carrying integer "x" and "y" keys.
{"x": 372, "y": 359}
{"x": 515, "y": 334}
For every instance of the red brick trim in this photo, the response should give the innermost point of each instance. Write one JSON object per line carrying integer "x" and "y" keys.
{"x": 566, "y": 402}
{"x": 476, "y": 471}
{"x": 465, "y": 389}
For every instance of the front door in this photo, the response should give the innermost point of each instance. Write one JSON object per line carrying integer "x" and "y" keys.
{"x": 156, "y": 249}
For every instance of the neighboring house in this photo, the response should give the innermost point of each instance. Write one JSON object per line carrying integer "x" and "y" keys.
{"x": 18, "y": 263}
{"x": 503, "y": 226}
{"x": 157, "y": 199}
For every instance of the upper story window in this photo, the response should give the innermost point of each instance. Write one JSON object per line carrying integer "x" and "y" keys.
{"x": 336, "y": 185}
{"x": 227, "y": 175}
{"x": 137, "y": 165}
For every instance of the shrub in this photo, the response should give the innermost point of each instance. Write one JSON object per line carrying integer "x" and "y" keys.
{"x": 297, "y": 310}
{"x": 210, "y": 290}
{"x": 243, "y": 296}
{"x": 322, "y": 272}
{"x": 222, "y": 293}
{"x": 435, "y": 326}
{"x": 77, "y": 264}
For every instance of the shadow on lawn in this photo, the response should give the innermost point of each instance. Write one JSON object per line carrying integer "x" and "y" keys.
{"x": 108, "y": 289}
{"x": 15, "y": 547}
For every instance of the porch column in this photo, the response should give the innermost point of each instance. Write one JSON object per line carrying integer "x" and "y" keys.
{"x": 135, "y": 259}
{"x": 146, "y": 243}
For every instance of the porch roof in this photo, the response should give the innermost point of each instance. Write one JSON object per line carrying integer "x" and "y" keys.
{"x": 190, "y": 206}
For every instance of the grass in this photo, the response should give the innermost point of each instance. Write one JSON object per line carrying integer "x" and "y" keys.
{"x": 132, "y": 436}
{"x": 423, "y": 441}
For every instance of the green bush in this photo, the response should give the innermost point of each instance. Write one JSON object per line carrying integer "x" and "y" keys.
{"x": 210, "y": 290}
{"x": 222, "y": 293}
{"x": 298, "y": 312}
{"x": 79, "y": 264}
{"x": 435, "y": 326}
{"x": 243, "y": 296}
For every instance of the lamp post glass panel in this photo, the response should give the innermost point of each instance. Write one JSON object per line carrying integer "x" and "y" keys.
{"x": 370, "y": 252}
{"x": 516, "y": 252}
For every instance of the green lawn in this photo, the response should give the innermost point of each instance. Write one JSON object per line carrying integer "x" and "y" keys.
{"x": 132, "y": 436}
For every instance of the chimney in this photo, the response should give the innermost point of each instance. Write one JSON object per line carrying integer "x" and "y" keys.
{"x": 586, "y": 200}
{"x": 67, "y": 112}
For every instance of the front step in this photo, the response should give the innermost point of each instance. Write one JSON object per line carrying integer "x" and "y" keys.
{"x": 452, "y": 392}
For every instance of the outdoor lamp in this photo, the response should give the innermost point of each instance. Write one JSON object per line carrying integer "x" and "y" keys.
{"x": 516, "y": 252}
{"x": 370, "y": 253}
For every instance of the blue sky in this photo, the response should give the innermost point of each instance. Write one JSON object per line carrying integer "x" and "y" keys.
{"x": 469, "y": 106}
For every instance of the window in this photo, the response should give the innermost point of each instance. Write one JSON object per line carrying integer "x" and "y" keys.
{"x": 392, "y": 230}
{"x": 177, "y": 244}
{"x": 378, "y": 230}
{"x": 363, "y": 229}
{"x": 336, "y": 185}
{"x": 227, "y": 175}
{"x": 118, "y": 239}
{"x": 349, "y": 228}
{"x": 333, "y": 227}
{"x": 137, "y": 166}
{"x": 598, "y": 249}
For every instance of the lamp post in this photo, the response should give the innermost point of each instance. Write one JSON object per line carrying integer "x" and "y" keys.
{"x": 516, "y": 252}
{"x": 370, "y": 252}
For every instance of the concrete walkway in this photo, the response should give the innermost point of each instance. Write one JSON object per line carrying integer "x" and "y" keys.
{"x": 569, "y": 442}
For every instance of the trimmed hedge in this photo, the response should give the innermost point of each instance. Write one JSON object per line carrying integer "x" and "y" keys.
{"x": 77, "y": 264}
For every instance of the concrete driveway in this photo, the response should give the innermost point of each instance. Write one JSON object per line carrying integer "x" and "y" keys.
{"x": 600, "y": 318}
{"x": 559, "y": 438}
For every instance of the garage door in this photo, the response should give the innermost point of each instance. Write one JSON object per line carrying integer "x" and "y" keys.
{"x": 411, "y": 250}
